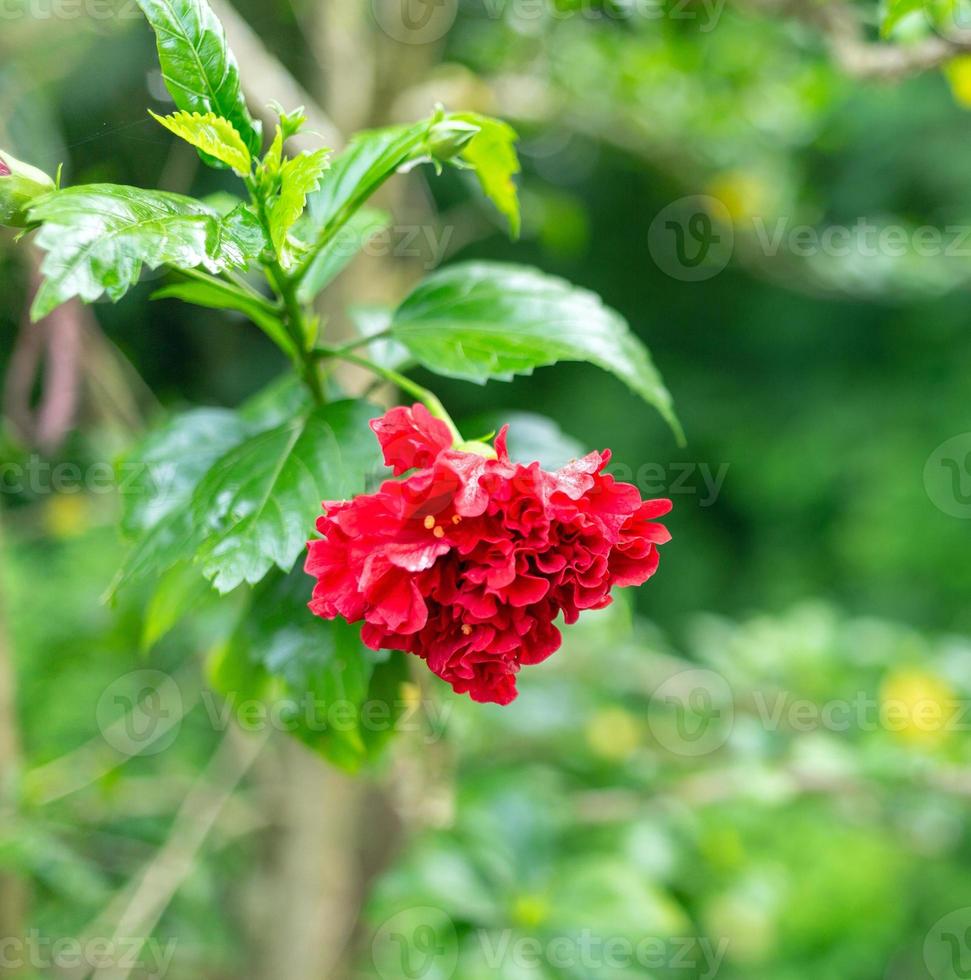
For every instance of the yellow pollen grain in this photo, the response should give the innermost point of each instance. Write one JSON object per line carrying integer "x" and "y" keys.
{"x": 439, "y": 532}
{"x": 429, "y": 522}
{"x": 466, "y": 629}
{"x": 456, "y": 519}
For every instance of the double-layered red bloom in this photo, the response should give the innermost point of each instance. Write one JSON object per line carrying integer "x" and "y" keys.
{"x": 468, "y": 561}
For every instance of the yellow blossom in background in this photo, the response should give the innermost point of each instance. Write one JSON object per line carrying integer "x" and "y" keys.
{"x": 917, "y": 706}
{"x": 958, "y": 73}
{"x": 530, "y": 911}
{"x": 745, "y": 195}
{"x": 613, "y": 733}
{"x": 67, "y": 515}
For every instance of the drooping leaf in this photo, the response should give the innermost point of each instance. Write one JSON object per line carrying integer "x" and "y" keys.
{"x": 258, "y": 502}
{"x": 99, "y": 236}
{"x": 362, "y": 226}
{"x": 482, "y": 320}
{"x": 212, "y": 134}
{"x": 199, "y": 70}
{"x": 492, "y": 154}
{"x": 215, "y": 296}
{"x": 298, "y": 177}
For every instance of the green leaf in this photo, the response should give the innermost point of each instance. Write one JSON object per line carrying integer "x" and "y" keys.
{"x": 199, "y": 70}
{"x": 99, "y": 236}
{"x": 482, "y": 320}
{"x": 314, "y": 675}
{"x": 216, "y": 296}
{"x": 298, "y": 178}
{"x": 179, "y": 591}
{"x": 371, "y": 321}
{"x": 338, "y": 252}
{"x": 158, "y": 476}
{"x": 258, "y": 503}
{"x": 896, "y": 11}
{"x": 212, "y": 134}
{"x": 373, "y": 156}
{"x": 356, "y": 173}
{"x": 156, "y": 481}
{"x": 492, "y": 154}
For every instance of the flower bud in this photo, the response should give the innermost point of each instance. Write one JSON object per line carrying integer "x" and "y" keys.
{"x": 20, "y": 185}
{"x": 447, "y": 139}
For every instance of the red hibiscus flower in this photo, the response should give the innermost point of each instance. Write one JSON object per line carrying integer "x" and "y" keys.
{"x": 469, "y": 560}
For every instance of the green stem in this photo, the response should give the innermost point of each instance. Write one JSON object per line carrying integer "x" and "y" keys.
{"x": 351, "y": 345}
{"x": 427, "y": 398}
{"x": 296, "y": 324}
{"x": 294, "y": 316}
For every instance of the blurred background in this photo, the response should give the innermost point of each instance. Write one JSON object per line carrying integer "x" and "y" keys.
{"x": 759, "y": 765}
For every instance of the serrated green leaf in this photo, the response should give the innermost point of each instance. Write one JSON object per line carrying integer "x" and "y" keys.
{"x": 492, "y": 154}
{"x": 199, "y": 70}
{"x": 214, "y": 296}
{"x": 158, "y": 476}
{"x": 99, "y": 236}
{"x": 156, "y": 481}
{"x": 258, "y": 503}
{"x": 338, "y": 252}
{"x": 212, "y": 134}
{"x": 299, "y": 176}
{"x": 482, "y": 320}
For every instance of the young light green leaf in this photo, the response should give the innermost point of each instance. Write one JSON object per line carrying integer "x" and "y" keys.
{"x": 299, "y": 176}
{"x": 258, "y": 503}
{"x": 216, "y": 296}
{"x": 481, "y": 320}
{"x": 492, "y": 154}
{"x": 338, "y": 252}
{"x": 199, "y": 70}
{"x": 98, "y": 237}
{"x": 212, "y": 134}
